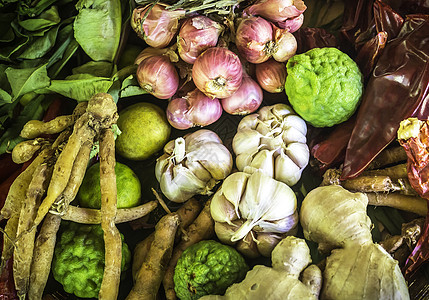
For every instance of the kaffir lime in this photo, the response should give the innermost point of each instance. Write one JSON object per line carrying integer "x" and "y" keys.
{"x": 324, "y": 86}
{"x": 127, "y": 184}
{"x": 145, "y": 131}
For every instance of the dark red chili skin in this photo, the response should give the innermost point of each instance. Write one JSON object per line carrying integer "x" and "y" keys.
{"x": 7, "y": 286}
{"x": 396, "y": 89}
{"x": 7, "y": 166}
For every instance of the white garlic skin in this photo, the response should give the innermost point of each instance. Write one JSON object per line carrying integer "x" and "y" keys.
{"x": 274, "y": 141}
{"x": 192, "y": 165}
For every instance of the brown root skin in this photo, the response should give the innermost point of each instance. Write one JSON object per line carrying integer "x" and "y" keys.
{"x": 77, "y": 174}
{"x": 187, "y": 214}
{"x": 100, "y": 114}
{"x": 151, "y": 273}
{"x": 93, "y": 216}
{"x": 25, "y": 150}
{"x": 412, "y": 204}
{"x": 35, "y": 128}
{"x": 112, "y": 240}
{"x": 387, "y": 157}
{"x": 42, "y": 256}
{"x": 395, "y": 172}
{"x": 23, "y": 252}
{"x": 201, "y": 229}
{"x": 19, "y": 187}
{"x": 312, "y": 278}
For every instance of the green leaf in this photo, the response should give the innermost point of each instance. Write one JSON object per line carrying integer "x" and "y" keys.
{"x": 35, "y": 8}
{"x": 6, "y": 30}
{"x": 46, "y": 19}
{"x": 97, "y": 28}
{"x": 41, "y": 45}
{"x": 27, "y": 80}
{"x": 95, "y": 68}
{"x": 20, "y": 41}
{"x": 32, "y": 111}
{"x": 80, "y": 87}
{"x": 62, "y": 56}
{"x": 130, "y": 87}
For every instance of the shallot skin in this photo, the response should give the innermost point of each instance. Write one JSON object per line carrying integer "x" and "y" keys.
{"x": 158, "y": 76}
{"x": 217, "y": 72}
{"x": 194, "y": 109}
{"x": 245, "y": 100}
{"x": 196, "y": 35}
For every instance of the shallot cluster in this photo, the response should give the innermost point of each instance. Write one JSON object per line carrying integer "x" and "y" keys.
{"x": 214, "y": 56}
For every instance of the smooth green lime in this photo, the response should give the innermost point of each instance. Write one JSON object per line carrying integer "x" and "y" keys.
{"x": 127, "y": 184}
{"x": 145, "y": 131}
{"x": 324, "y": 86}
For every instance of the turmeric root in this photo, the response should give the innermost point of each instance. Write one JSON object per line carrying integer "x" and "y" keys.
{"x": 35, "y": 128}
{"x": 42, "y": 256}
{"x": 412, "y": 204}
{"x": 25, "y": 150}
{"x": 112, "y": 240}
{"x": 101, "y": 113}
{"x": 23, "y": 252}
{"x": 93, "y": 216}
{"x": 77, "y": 174}
{"x": 201, "y": 229}
{"x": 187, "y": 214}
{"x": 149, "y": 277}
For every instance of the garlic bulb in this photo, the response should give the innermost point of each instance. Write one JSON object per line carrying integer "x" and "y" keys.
{"x": 192, "y": 165}
{"x": 274, "y": 141}
{"x": 253, "y": 212}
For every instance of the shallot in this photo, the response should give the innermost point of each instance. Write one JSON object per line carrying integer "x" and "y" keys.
{"x": 194, "y": 109}
{"x": 158, "y": 76}
{"x": 271, "y": 76}
{"x": 159, "y": 26}
{"x": 245, "y": 100}
{"x": 217, "y": 72}
{"x": 196, "y": 35}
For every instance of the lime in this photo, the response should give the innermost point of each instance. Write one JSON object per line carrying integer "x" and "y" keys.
{"x": 127, "y": 184}
{"x": 324, "y": 86}
{"x": 145, "y": 131}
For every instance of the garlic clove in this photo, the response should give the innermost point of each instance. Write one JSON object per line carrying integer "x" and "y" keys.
{"x": 264, "y": 161}
{"x": 195, "y": 139}
{"x": 198, "y": 170}
{"x": 280, "y": 110}
{"x": 266, "y": 242}
{"x": 286, "y": 170}
{"x": 248, "y": 122}
{"x": 282, "y": 202}
{"x": 243, "y": 160}
{"x": 161, "y": 165}
{"x": 293, "y": 135}
{"x": 299, "y": 153}
{"x": 247, "y": 246}
{"x": 169, "y": 147}
{"x": 284, "y": 225}
{"x": 221, "y": 209}
{"x": 246, "y": 140}
{"x": 294, "y": 121}
{"x": 233, "y": 188}
{"x": 179, "y": 184}
{"x": 264, "y": 127}
{"x": 224, "y": 231}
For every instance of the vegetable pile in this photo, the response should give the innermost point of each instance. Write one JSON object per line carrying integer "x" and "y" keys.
{"x": 232, "y": 149}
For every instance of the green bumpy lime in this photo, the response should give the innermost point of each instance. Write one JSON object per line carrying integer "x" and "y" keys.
{"x": 127, "y": 185}
{"x": 324, "y": 86}
{"x": 78, "y": 262}
{"x": 207, "y": 268}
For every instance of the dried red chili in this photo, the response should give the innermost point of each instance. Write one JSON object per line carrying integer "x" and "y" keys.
{"x": 7, "y": 285}
{"x": 395, "y": 91}
{"x": 308, "y": 38}
{"x": 368, "y": 25}
{"x": 414, "y": 138}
